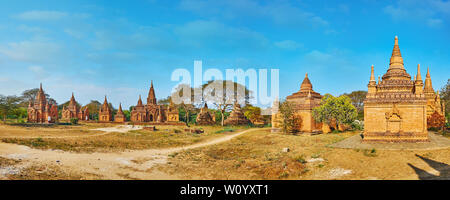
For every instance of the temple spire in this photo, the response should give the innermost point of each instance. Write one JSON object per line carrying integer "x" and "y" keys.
{"x": 419, "y": 77}
{"x": 428, "y": 85}
{"x": 306, "y": 84}
{"x": 396, "y": 57}
{"x": 139, "y": 101}
{"x": 151, "y": 95}
{"x": 372, "y": 74}
{"x": 120, "y": 108}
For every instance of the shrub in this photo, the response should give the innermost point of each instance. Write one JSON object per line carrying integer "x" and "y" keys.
{"x": 357, "y": 125}
{"x": 74, "y": 120}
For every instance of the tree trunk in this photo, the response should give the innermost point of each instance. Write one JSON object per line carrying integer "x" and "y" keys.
{"x": 223, "y": 117}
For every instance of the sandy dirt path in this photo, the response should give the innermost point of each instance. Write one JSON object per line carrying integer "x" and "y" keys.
{"x": 125, "y": 165}
{"x": 106, "y": 131}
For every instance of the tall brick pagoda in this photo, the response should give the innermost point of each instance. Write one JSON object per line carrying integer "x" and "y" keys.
{"x": 41, "y": 111}
{"x": 74, "y": 111}
{"x": 395, "y": 107}
{"x": 105, "y": 112}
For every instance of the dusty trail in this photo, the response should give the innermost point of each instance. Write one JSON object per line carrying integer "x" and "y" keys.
{"x": 106, "y": 131}
{"x": 134, "y": 164}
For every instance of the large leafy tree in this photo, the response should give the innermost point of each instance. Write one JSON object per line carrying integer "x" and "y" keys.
{"x": 288, "y": 120}
{"x": 357, "y": 98}
{"x": 30, "y": 95}
{"x": 445, "y": 96}
{"x": 215, "y": 92}
{"x": 338, "y": 109}
{"x": 8, "y": 105}
{"x": 253, "y": 113}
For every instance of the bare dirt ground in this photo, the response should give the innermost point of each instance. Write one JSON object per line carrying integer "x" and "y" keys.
{"x": 249, "y": 154}
{"x": 261, "y": 155}
{"x": 124, "y": 165}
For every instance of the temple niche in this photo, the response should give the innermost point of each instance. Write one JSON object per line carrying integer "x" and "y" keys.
{"x": 303, "y": 101}
{"x": 120, "y": 116}
{"x": 152, "y": 112}
{"x": 74, "y": 111}
{"x": 205, "y": 117}
{"x": 41, "y": 111}
{"x": 395, "y": 108}
{"x": 237, "y": 117}
{"x": 105, "y": 112}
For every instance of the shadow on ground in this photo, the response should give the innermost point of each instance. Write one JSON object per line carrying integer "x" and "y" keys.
{"x": 442, "y": 168}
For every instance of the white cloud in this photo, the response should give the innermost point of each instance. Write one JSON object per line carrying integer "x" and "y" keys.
{"x": 74, "y": 33}
{"x": 41, "y": 15}
{"x": 48, "y": 15}
{"x": 38, "y": 71}
{"x": 31, "y": 51}
{"x": 279, "y": 12}
{"x": 431, "y": 13}
{"x": 288, "y": 45}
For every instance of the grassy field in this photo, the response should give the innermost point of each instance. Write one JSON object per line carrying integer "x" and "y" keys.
{"x": 81, "y": 138}
{"x": 259, "y": 155}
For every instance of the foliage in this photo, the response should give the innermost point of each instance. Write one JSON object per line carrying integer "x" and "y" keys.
{"x": 252, "y": 113}
{"x": 74, "y": 120}
{"x": 332, "y": 108}
{"x": 93, "y": 107}
{"x": 289, "y": 121}
{"x": 445, "y": 97}
{"x": 357, "y": 98}
{"x": 357, "y": 125}
{"x": 30, "y": 95}
{"x": 8, "y": 105}
{"x": 435, "y": 121}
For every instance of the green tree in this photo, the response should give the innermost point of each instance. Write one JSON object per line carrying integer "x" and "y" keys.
{"x": 340, "y": 109}
{"x": 94, "y": 107}
{"x": 445, "y": 98}
{"x": 252, "y": 113}
{"x": 289, "y": 122}
{"x": 8, "y": 105}
{"x": 358, "y": 98}
{"x": 30, "y": 95}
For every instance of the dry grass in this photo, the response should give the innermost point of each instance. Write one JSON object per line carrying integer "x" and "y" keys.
{"x": 258, "y": 155}
{"x": 165, "y": 136}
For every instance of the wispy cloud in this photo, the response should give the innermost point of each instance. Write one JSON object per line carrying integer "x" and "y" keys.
{"x": 41, "y": 15}
{"x": 31, "y": 51}
{"x": 279, "y": 12}
{"x": 49, "y": 15}
{"x": 288, "y": 45}
{"x": 431, "y": 13}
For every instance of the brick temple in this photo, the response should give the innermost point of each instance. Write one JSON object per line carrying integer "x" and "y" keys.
{"x": 152, "y": 112}
{"x": 205, "y": 117}
{"x": 74, "y": 111}
{"x": 41, "y": 111}
{"x": 395, "y": 108}
{"x": 303, "y": 101}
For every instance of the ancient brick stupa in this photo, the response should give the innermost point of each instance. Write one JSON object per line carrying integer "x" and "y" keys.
{"x": 41, "y": 111}
{"x": 205, "y": 117}
{"x": 304, "y": 101}
{"x": 434, "y": 104}
{"x": 120, "y": 116}
{"x": 74, "y": 111}
{"x": 395, "y": 107}
{"x": 105, "y": 113}
{"x": 237, "y": 117}
{"x": 153, "y": 112}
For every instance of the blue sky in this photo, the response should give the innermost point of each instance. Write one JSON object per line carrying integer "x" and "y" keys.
{"x": 115, "y": 48}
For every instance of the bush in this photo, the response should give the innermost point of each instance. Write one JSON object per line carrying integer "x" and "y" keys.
{"x": 74, "y": 120}
{"x": 357, "y": 125}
